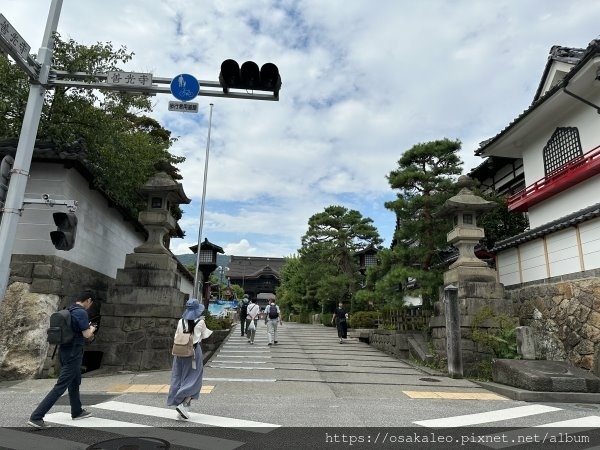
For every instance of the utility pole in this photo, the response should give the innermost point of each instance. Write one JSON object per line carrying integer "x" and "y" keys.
{"x": 22, "y": 164}
{"x": 246, "y": 80}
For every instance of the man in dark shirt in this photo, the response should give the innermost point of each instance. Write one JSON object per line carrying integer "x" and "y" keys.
{"x": 71, "y": 356}
{"x": 340, "y": 316}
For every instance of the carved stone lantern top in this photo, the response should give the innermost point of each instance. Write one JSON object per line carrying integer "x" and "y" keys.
{"x": 162, "y": 186}
{"x": 464, "y": 208}
{"x": 161, "y": 191}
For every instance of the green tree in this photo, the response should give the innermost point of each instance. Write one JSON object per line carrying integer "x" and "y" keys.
{"x": 424, "y": 180}
{"x": 500, "y": 223}
{"x": 325, "y": 271}
{"x": 111, "y": 129}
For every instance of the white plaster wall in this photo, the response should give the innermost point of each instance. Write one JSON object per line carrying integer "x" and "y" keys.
{"x": 585, "y": 119}
{"x": 563, "y": 253}
{"x": 533, "y": 261}
{"x": 589, "y": 233}
{"x": 507, "y": 263}
{"x": 103, "y": 236}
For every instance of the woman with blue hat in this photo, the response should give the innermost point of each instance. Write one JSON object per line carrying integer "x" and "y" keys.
{"x": 186, "y": 375}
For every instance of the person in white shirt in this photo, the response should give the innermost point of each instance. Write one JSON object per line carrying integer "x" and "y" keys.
{"x": 272, "y": 319}
{"x": 186, "y": 374}
{"x": 253, "y": 312}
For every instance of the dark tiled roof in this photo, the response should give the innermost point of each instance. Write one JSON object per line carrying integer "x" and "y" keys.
{"x": 562, "y": 54}
{"x": 572, "y": 219}
{"x": 591, "y": 51}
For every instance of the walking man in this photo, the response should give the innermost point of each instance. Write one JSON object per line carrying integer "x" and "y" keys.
{"x": 243, "y": 312}
{"x": 272, "y": 319}
{"x": 340, "y": 316}
{"x": 71, "y": 356}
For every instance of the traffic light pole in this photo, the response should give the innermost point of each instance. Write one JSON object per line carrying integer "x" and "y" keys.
{"x": 22, "y": 164}
{"x": 48, "y": 78}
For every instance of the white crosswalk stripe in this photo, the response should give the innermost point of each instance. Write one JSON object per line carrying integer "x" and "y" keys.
{"x": 188, "y": 440}
{"x": 542, "y": 432}
{"x": 26, "y": 440}
{"x": 204, "y": 419}
{"x": 487, "y": 417}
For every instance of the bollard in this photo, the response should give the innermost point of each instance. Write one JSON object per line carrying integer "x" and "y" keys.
{"x": 455, "y": 365}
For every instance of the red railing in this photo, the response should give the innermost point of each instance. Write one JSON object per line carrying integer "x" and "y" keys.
{"x": 572, "y": 173}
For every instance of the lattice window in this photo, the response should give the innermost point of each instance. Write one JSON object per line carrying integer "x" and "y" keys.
{"x": 563, "y": 147}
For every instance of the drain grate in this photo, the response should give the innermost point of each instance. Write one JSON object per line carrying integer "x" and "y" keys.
{"x": 430, "y": 380}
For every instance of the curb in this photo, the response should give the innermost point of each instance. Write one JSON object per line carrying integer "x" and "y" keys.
{"x": 524, "y": 395}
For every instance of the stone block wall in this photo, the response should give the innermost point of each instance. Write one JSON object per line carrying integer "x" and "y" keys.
{"x": 38, "y": 286}
{"x": 565, "y": 317}
{"x": 473, "y": 296}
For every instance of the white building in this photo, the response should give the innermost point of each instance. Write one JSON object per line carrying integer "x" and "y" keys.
{"x": 553, "y": 149}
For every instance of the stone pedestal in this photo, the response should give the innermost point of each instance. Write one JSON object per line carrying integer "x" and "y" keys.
{"x": 473, "y": 296}
{"x": 545, "y": 376}
{"x": 140, "y": 315}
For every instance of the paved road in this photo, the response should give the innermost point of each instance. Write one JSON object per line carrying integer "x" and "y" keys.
{"x": 252, "y": 393}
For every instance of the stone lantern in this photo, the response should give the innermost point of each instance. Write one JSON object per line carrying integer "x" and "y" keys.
{"x": 207, "y": 263}
{"x": 161, "y": 192}
{"x": 464, "y": 209}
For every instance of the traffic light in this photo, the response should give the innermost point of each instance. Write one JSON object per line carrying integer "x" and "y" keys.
{"x": 64, "y": 236}
{"x": 249, "y": 77}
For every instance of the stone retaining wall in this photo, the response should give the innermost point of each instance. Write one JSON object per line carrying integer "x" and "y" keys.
{"x": 565, "y": 317}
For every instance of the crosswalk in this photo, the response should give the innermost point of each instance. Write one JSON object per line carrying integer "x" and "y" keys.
{"x": 582, "y": 430}
{"x": 177, "y": 433}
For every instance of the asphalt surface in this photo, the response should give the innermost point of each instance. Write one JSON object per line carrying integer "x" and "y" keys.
{"x": 307, "y": 380}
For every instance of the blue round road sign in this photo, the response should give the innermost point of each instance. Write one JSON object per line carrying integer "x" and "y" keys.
{"x": 185, "y": 87}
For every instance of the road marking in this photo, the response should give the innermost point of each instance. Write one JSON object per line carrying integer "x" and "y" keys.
{"x": 150, "y": 388}
{"x": 487, "y": 417}
{"x": 218, "y": 366}
{"x": 258, "y": 380}
{"x": 512, "y": 438}
{"x": 184, "y": 439}
{"x": 455, "y": 395}
{"x": 21, "y": 440}
{"x": 203, "y": 419}
{"x": 239, "y": 362}
{"x": 242, "y": 356}
{"x": 244, "y": 351}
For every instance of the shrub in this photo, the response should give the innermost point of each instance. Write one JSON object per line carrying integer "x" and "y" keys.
{"x": 501, "y": 339}
{"x": 217, "y": 323}
{"x": 326, "y": 320}
{"x": 364, "y": 319}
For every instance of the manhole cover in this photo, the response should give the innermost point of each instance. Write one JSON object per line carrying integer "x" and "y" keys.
{"x": 430, "y": 380}
{"x": 131, "y": 443}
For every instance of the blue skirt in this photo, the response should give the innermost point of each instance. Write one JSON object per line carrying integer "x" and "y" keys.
{"x": 185, "y": 381}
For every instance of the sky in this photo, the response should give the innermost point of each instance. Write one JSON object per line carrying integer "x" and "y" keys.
{"x": 362, "y": 82}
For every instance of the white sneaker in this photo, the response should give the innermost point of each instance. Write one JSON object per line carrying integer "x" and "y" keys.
{"x": 183, "y": 411}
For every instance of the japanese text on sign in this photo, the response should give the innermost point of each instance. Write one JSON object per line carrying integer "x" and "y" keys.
{"x": 12, "y": 38}
{"x": 129, "y": 78}
{"x": 183, "y": 106}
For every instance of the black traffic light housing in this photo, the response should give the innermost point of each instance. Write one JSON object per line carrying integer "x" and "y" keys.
{"x": 249, "y": 77}
{"x": 64, "y": 236}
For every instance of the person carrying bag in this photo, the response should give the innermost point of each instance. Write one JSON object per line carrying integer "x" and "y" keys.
{"x": 252, "y": 320}
{"x": 188, "y": 367}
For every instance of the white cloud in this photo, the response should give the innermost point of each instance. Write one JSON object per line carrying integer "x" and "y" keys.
{"x": 361, "y": 84}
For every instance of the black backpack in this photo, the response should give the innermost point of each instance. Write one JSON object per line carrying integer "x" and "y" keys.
{"x": 273, "y": 313}
{"x": 60, "y": 331}
{"x": 244, "y": 308}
